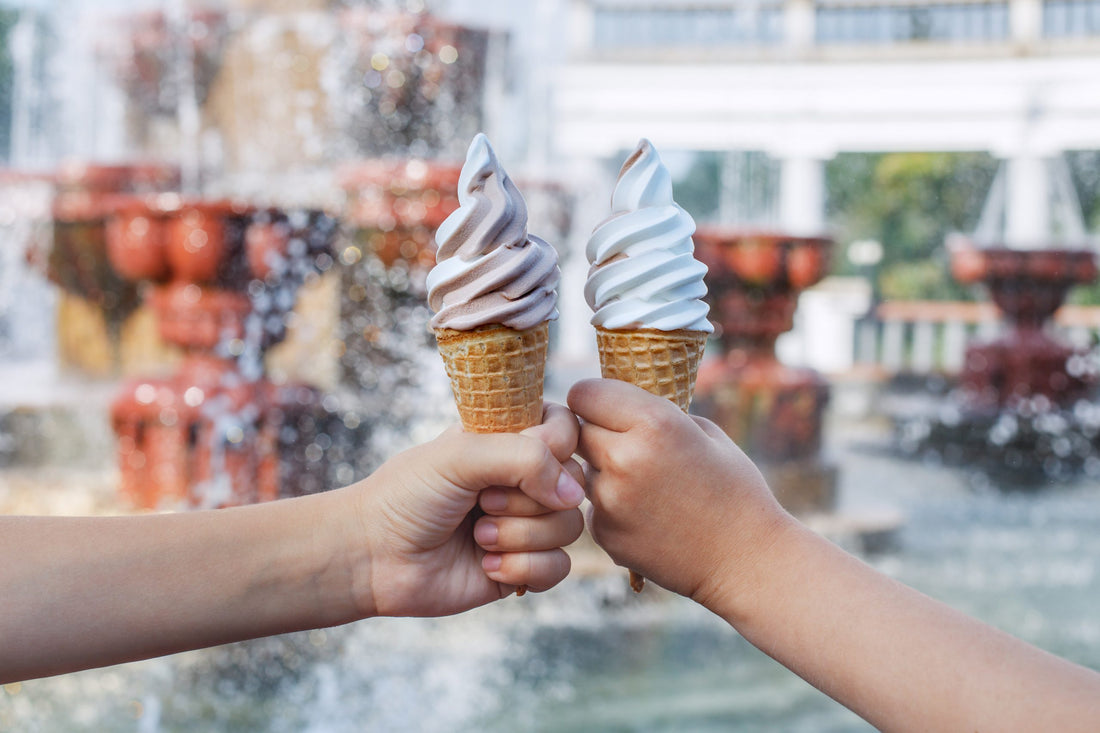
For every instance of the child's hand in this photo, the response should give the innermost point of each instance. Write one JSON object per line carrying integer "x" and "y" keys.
{"x": 426, "y": 543}
{"x": 672, "y": 496}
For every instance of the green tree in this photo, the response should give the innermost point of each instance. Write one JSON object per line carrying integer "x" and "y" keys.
{"x": 909, "y": 202}
{"x": 698, "y": 190}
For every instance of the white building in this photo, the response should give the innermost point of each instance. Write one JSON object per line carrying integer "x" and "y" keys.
{"x": 804, "y": 80}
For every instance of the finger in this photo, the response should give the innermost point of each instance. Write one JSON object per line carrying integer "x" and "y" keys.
{"x": 574, "y": 469}
{"x": 526, "y": 534}
{"x": 712, "y": 430}
{"x": 506, "y": 501}
{"x": 594, "y": 443}
{"x": 614, "y": 404}
{"x": 476, "y": 461}
{"x": 558, "y": 430}
{"x": 538, "y": 571}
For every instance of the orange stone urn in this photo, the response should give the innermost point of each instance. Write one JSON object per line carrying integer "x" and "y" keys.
{"x": 773, "y": 411}
{"x": 84, "y": 196}
{"x": 208, "y": 435}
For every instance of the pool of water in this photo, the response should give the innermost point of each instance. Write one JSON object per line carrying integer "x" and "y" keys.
{"x": 591, "y": 656}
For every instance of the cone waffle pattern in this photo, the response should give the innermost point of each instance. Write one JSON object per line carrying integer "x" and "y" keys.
{"x": 663, "y": 363}
{"x": 496, "y": 375}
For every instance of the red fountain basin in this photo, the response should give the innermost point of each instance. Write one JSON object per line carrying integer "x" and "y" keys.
{"x": 1027, "y": 362}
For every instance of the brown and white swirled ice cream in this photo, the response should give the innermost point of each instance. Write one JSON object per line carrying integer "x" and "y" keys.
{"x": 493, "y": 293}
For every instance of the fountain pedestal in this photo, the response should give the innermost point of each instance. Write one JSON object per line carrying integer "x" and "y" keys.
{"x": 1027, "y": 362}
{"x": 1016, "y": 415}
{"x": 96, "y": 306}
{"x": 773, "y": 411}
{"x": 211, "y": 434}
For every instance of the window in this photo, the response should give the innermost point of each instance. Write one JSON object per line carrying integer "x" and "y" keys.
{"x": 617, "y": 27}
{"x": 1069, "y": 18}
{"x": 948, "y": 22}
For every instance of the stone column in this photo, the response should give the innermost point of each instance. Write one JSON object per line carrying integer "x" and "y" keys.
{"x": 581, "y": 28}
{"x": 802, "y": 195}
{"x": 799, "y": 26}
{"x": 1025, "y": 21}
{"x": 1027, "y": 201}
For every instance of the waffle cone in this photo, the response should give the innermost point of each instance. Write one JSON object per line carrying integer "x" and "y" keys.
{"x": 496, "y": 374}
{"x": 663, "y": 363}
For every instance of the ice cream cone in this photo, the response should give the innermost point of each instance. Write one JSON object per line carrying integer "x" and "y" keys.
{"x": 496, "y": 374}
{"x": 663, "y": 363}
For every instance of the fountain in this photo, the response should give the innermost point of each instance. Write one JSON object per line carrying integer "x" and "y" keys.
{"x": 417, "y": 97}
{"x": 1024, "y": 411}
{"x": 1027, "y": 363}
{"x": 414, "y": 83}
{"x": 773, "y": 411}
{"x": 95, "y": 303}
{"x": 223, "y": 279}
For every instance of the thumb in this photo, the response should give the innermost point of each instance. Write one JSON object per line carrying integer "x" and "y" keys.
{"x": 477, "y": 461}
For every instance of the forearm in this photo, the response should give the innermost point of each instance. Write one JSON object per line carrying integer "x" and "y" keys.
{"x": 84, "y": 592}
{"x": 898, "y": 658}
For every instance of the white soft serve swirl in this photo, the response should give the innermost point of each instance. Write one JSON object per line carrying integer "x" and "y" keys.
{"x": 644, "y": 273}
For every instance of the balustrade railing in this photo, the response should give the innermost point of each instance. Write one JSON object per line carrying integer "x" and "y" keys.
{"x": 930, "y": 337}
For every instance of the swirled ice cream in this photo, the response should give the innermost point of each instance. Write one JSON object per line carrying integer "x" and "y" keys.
{"x": 644, "y": 274}
{"x": 489, "y": 270}
{"x": 492, "y": 290}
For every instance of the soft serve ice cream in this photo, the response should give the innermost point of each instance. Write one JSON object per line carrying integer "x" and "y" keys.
{"x": 489, "y": 270}
{"x": 644, "y": 273}
{"x": 493, "y": 293}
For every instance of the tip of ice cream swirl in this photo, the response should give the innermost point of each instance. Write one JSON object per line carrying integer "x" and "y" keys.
{"x": 488, "y": 269}
{"x": 644, "y": 273}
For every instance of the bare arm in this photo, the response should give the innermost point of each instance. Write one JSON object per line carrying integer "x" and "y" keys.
{"x": 86, "y": 592}
{"x": 675, "y": 498}
{"x": 898, "y": 658}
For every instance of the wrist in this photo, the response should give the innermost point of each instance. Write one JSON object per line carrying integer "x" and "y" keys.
{"x": 351, "y": 548}
{"x": 747, "y": 562}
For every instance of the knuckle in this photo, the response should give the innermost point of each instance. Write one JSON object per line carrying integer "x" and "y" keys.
{"x": 515, "y": 534}
{"x": 534, "y": 453}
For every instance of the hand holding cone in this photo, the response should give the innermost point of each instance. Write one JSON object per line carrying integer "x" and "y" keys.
{"x": 493, "y": 293}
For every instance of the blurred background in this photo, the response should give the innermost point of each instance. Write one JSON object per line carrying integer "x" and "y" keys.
{"x": 215, "y": 222}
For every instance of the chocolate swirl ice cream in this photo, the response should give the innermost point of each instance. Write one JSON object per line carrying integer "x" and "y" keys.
{"x": 489, "y": 270}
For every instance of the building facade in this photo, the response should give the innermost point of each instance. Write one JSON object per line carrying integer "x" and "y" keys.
{"x": 804, "y": 80}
